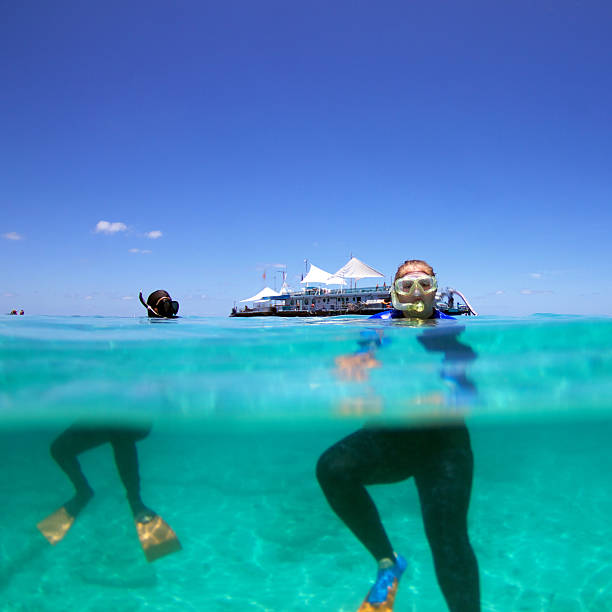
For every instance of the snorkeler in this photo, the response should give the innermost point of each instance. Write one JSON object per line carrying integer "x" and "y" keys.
{"x": 160, "y": 305}
{"x": 438, "y": 457}
{"x": 155, "y": 535}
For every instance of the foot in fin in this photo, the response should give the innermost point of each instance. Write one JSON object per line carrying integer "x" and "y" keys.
{"x": 156, "y": 537}
{"x": 57, "y": 524}
{"x": 381, "y": 596}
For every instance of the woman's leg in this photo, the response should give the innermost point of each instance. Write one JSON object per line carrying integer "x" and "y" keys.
{"x": 368, "y": 456}
{"x": 123, "y": 441}
{"x": 65, "y": 448}
{"x": 444, "y": 483}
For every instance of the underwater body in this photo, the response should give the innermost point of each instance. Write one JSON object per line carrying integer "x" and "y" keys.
{"x": 241, "y": 410}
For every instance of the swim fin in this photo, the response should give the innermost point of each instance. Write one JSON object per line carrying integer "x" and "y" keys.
{"x": 381, "y": 596}
{"x": 156, "y": 538}
{"x": 56, "y": 525}
{"x": 386, "y": 606}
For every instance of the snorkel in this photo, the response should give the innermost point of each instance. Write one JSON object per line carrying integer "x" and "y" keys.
{"x": 407, "y": 307}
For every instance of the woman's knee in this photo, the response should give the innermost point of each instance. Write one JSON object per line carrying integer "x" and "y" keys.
{"x": 58, "y": 448}
{"x": 328, "y": 469}
{"x": 445, "y": 542}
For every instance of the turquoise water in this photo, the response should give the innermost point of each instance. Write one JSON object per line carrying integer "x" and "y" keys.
{"x": 243, "y": 408}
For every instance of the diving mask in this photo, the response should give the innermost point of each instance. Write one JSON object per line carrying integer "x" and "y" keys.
{"x": 167, "y": 307}
{"x": 407, "y": 285}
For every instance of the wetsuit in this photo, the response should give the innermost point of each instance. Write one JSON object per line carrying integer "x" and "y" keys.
{"x": 440, "y": 459}
{"x": 394, "y": 313}
{"x": 81, "y": 437}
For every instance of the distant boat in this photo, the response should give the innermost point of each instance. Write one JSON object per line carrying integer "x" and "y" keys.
{"x": 317, "y": 299}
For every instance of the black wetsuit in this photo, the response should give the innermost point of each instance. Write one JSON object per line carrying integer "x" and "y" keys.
{"x": 440, "y": 459}
{"x": 81, "y": 437}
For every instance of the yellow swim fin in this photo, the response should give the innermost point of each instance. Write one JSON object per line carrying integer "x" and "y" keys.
{"x": 157, "y": 538}
{"x": 56, "y": 525}
{"x": 385, "y": 606}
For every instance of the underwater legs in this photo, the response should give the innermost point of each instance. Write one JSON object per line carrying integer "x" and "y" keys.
{"x": 440, "y": 459}
{"x": 156, "y": 537}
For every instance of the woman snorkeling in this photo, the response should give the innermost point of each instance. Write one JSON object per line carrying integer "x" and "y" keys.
{"x": 156, "y": 536}
{"x": 438, "y": 457}
{"x": 160, "y": 305}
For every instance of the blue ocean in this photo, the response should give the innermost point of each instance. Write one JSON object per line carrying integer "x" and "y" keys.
{"x": 240, "y": 411}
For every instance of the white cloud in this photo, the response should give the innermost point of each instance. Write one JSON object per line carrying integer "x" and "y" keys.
{"x": 106, "y": 227}
{"x": 154, "y": 235}
{"x": 535, "y": 275}
{"x": 88, "y": 297}
{"x": 12, "y": 236}
{"x": 498, "y": 292}
{"x": 532, "y": 292}
{"x": 127, "y": 297}
{"x": 141, "y": 251}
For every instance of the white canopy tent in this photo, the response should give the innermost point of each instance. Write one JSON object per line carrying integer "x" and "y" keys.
{"x": 264, "y": 293}
{"x": 335, "y": 280}
{"x": 317, "y": 275}
{"x": 356, "y": 269}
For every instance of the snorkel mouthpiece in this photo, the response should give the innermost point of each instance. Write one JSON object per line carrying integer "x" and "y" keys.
{"x": 414, "y": 307}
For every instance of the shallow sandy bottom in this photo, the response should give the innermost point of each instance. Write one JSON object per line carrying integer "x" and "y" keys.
{"x": 258, "y": 535}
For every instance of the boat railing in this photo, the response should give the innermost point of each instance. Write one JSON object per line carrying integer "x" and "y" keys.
{"x": 321, "y": 291}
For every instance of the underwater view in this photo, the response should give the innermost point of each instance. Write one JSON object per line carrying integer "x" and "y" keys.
{"x": 200, "y": 484}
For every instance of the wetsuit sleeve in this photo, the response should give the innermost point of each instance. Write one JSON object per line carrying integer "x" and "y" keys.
{"x": 461, "y": 390}
{"x": 370, "y": 340}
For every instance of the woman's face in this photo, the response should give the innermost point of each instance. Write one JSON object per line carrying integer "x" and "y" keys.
{"x": 417, "y": 297}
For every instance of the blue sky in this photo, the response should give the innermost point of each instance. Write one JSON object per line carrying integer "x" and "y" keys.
{"x": 252, "y": 135}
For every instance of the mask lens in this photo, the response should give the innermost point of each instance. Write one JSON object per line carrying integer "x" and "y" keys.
{"x": 175, "y": 306}
{"x": 404, "y": 286}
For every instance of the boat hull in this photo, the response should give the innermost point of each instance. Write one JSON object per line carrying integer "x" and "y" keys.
{"x": 308, "y": 313}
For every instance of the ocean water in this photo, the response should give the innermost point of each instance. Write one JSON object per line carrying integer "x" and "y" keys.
{"x": 241, "y": 411}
